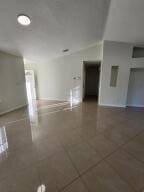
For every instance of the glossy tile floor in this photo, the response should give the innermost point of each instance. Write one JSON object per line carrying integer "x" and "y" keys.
{"x": 54, "y": 147}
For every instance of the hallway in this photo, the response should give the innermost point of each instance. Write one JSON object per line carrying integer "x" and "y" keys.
{"x": 83, "y": 148}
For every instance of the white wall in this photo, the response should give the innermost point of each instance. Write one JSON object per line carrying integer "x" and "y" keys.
{"x": 136, "y": 88}
{"x": 12, "y": 83}
{"x": 55, "y": 78}
{"x": 115, "y": 53}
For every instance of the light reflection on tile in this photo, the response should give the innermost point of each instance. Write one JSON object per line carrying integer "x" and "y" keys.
{"x": 57, "y": 145}
{"x": 41, "y": 188}
{"x": 3, "y": 140}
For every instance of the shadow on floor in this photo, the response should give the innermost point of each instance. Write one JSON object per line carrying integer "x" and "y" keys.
{"x": 90, "y": 98}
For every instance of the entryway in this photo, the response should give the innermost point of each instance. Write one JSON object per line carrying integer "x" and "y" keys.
{"x": 91, "y": 81}
{"x": 30, "y": 85}
{"x": 135, "y": 95}
{"x": 31, "y": 93}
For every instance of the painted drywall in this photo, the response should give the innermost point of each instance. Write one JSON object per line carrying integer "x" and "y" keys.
{"x": 12, "y": 83}
{"x": 119, "y": 54}
{"x": 136, "y": 88}
{"x": 61, "y": 79}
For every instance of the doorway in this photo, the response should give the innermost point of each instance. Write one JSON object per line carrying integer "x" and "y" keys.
{"x": 31, "y": 93}
{"x": 135, "y": 96}
{"x": 30, "y": 85}
{"x": 91, "y": 81}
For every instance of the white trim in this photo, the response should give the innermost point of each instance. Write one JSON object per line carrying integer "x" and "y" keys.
{"x": 112, "y": 105}
{"x": 133, "y": 105}
{"x": 13, "y": 109}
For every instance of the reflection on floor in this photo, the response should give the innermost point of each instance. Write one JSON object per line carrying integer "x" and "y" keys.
{"x": 85, "y": 148}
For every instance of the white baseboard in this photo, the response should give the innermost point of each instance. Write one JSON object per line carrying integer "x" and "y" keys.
{"x": 112, "y": 105}
{"x": 13, "y": 109}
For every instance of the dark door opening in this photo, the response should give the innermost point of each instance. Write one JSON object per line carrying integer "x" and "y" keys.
{"x": 91, "y": 81}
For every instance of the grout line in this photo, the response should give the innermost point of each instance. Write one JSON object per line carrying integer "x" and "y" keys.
{"x": 125, "y": 180}
{"x": 79, "y": 175}
{"x": 131, "y": 154}
{"x": 121, "y": 147}
{"x": 126, "y": 142}
{"x": 90, "y": 168}
{"x": 104, "y": 159}
{"x": 67, "y": 185}
{"x": 72, "y": 164}
{"x": 43, "y": 114}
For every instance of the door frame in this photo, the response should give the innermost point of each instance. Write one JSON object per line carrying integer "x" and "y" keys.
{"x": 96, "y": 63}
{"x": 130, "y": 73}
{"x": 33, "y": 79}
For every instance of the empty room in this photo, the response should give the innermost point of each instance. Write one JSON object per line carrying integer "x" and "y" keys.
{"x": 71, "y": 96}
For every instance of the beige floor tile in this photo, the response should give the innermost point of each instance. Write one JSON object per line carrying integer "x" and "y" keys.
{"x": 128, "y": 168}
{"x": 57, "y": 171}
{"x": 27, "y": 180}
{"x": 116, "y": 136}
{"x": 88, "y": 130}
{"x": 136, "y": 147}
{"x": 69, "y": 139}
{"x": 103, "y": 178}
{"x": 47, "y": 188}
{"x": 19, "y": 137}
{"x": 103, "y": 145}
{"x": 40, "y": 133}
{"x": 5, "y": 185}
{"x": 13, "y": 116}
{"x": 19, "y": 128}
{"x": 102, "y": 126}
{"x": 58, "y": 140}
{"x": 131, "y": 128}
{"x": 84, "y": 157}
{"x": 76, "y": 186}
{"x": 17, "y": 160}
{"x": 47, "y": 147}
